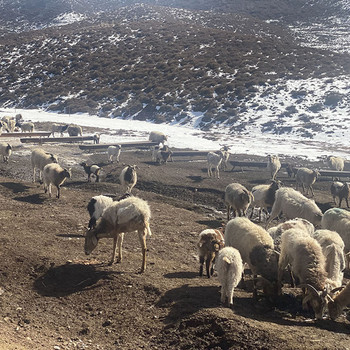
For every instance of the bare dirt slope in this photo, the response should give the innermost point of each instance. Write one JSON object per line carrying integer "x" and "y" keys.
{"x": 54, "y": 297}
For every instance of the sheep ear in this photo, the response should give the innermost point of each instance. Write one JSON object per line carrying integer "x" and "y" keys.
{"x": 226, "y": 259}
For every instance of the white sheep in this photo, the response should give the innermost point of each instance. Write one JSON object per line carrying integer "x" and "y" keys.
{"x": 339, "y": 302}
{"x": 128, "y": 177}
{"x": 306, "y": 178}
{"x": 54, "y": 174}
{"x": 238, "y": 198}
{"x": 157, "y": 136}
{"x": 304, "y": 256}
{"x": 273, "y": 165}
{"x": 340, "y": 190}
{"x": 225, "y": 157}
{"x": 39, "y": 158}
{"x": 264, "y": 196}
{"x": 336, "y": 163}
{"x": 294, "y": 205}
{"x": 209, "y": 243}
{"x": 75, "y": 130}
{"x": 128, "y": 215}
{"x": 11, "y": 125}
{"x": 5, "y": 151}
{"x": 91, "y": 170}
{"x": 229, "y": 267}
{"x": 257, "y": 250}
{"x": 114, "y": 151}
{"x": 214, "y": 160}
{"x": 333, "y": 250}
{"x": 58, "y": 128}
{"x": 27, "y": 127}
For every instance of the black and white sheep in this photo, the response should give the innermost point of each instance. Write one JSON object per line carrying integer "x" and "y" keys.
{"x": 273, "y": 165}
{"x": 238, "y": 198}
{"x": 214, "y": 160}
{"x": 229, "y": 267}
{"x": 257, "y": 250}
{"x": 306, "y": 178}
{"x": 163, "y": 155}
{"x": 128, "y": 177}
{"x": 54, "y": 174}
{"x": 91, "y": 170}
{"x": 114, "y": 151}
{"x": 157, "y": 136}
{"x": 339, "y": 302}
{"x": 75, "y": 130}
{"x": 209, "y": 243}
{"x": 225, "y": 156}
{"x": 39, "y": 158}
{"x": 5, "y": 151}
{"x": 58, "y": 128}
{"x": 340, "y": 190}
{"x": 294, "y": 205}
{"x": 128, "y": 215}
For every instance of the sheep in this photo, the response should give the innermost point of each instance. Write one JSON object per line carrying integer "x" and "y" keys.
{"x": 307, "y": 262}
{"x": 54, "y": 174}
{"x": 336, "y": 219}
{"x": 154, "y": 151}
{"x": 157, "y": 136}
{"x": 5, "y": 151}
{"x": 128, "y": 177}
{"x": 163, "y": 155}
{"x": 6, "y": 119}
{"x": 39, "y": 158}
{"x": 333, "y": 250}
{"x": 238, "y": 198}
{"x": 342, "y": 191}
{"x": 4, "y": 127}
{"x": 339, "y": 302}
{"x": 229, "y": 268}
{"x": 91, "y": 169}
{"x": 264, "y": 196}
{"x": 58, "y": 128}
{"x": 225, "y": 156}
{"x": 96, "y": 138}
{"x": 214, "y": 160}
{"x": 276, "y": 232}
{"x": 257, "y": 250}
{"x": 27, "y": 127}
{"x": 336, "y": 163}
{"x": 306, "y": 177}
{"x": 291, "y": 170}
{"x": 114, "y": 151}
{"x": 18, "y": 118}
{"x": 75, "y": 130}
{"x": 209, "y": 243}
{"x": 128, "y": 215}
{"x": 273, "y": 165}
{"x": 294, "y": 205}
{"x": 11, "y": 125}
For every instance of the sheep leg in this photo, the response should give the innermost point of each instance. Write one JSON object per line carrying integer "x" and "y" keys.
{"x": 97, "y": 178}
{"x": 312, "y": 191}
{"x": 255, "y": 288}
{"x": 120, "y": 244}
{"x": 340, "y": 200}
{"x": 228, "y": 212}
{"x": 209, "y": 266}
{"x": 347, "y": 202}
{"x": 58, "y": 191}
{"x": 201, "y": 262}
{"x": 142, "y": 237}
{"x": 223, "y": 295}
{"x": 115, "y": 239}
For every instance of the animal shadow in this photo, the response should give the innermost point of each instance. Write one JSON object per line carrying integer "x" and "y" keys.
{"x": 32, "y": 198}
{"x": 15, "y": 187}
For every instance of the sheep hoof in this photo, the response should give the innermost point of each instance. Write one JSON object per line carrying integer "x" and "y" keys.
{"x": 110, "y": 263}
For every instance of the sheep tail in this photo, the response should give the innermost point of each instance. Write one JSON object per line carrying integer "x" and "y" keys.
{"x": 148, "y": 229}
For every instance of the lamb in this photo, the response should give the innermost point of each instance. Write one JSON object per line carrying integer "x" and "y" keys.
{"x": 157, "y": 136}
{"x": 306, "y": 177}
{"x": 39, "y": 159}
{"x": 75, "y": 130}
{"x": 238, "y": 198}
{"x": 342, "y": 191}
{"x": 27, "y": 127}
{"x": 163, "y": 155}
{"x": 229, "y": 268}
{"x": 304, "y": 255}
{"x": 273, "y": 165}
{"x": 91, "y": 170}
{"x": 114, "y": 151}
{"x": 5, "y": 151}
{"x": 56, "y": 175}
{"x": 58, "y": 128}
{"x": 209, "y": 243}
{"x": 214, "y": 160}
{"x": 339, "y": 302}
{"x": 264, "y": 196}
{"x": 128, "y": 215}
{"x": 294, "y": 205}
{"x": 128, "y": 177}
{"x": 336, "y": 163}
{"x": 257, "y": 250}
{"x": 333, "y": 250}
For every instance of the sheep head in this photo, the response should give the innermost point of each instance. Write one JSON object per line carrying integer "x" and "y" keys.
{"x": 91, "y": 241}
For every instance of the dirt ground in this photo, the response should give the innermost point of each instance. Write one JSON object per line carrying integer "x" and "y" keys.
{"x": 52, "y": 296}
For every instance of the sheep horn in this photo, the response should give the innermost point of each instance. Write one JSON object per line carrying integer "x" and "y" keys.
{"x": 311, "y": 288}
{"x": 336, "y": 289}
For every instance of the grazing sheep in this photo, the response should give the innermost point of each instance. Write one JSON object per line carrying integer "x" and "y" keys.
{"x": 336, "y": 163}
{"x": 294, "y": 205}
{"x": 27, "y": 127}
{"x": 91, "y": 170}
{"x": 214, "y": 160}
{"x": 238, "y": 198}
{"x": 39, "y": 159}
{"x": 114, "y": 151}
{"x": 56, "y": 175}
{"x": 58, "y": 128}
{"x": 209, "y": 243}
{"x": 229, "y": 268}
{"x": 307, "y": 262}
{"x": 128, "y": 215}
{"x": 333, "y": 250}
{"x": 276, "y": 232}
{"x": 339, "y": 302}
{"x": 273, "y": 165}
{"x": 257, "y": 250}
{"x": 157, "y": 136}
{"x": 75, "y": 130}
{"x": 342, "y": 191}
{"x": 306, "y": 177}
{"x": 291, "y": 170}
{"x": 264, "y": 196}
{"x": 5, "y": 151}
{"x": 128, "y": 177}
